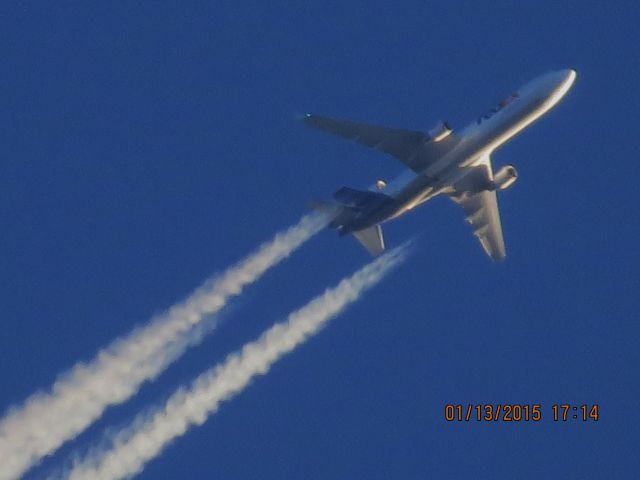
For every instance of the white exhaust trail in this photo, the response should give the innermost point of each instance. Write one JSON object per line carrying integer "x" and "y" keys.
{"x": 149, "y": 433}
{"x": 79, "y": 397}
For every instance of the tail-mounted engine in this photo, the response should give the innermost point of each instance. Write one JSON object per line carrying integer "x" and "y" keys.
{"x": 505, "y": 177}
{"x": 441, "y": 131}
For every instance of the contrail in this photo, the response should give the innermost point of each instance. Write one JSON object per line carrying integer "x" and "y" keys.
{"x": 149, "y": 433}
{"x": 79, "y": 397}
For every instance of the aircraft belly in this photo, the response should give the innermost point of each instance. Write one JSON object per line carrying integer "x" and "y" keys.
{"x": 442, "y": 174}
{"x": 413, "y": 198}
{"x": 468, "y": 151}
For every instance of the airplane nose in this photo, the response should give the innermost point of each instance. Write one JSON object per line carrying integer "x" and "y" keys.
{"x": 561, "y": 80}
{"x": 559, "y": 84}
{"x": 559, "y": 76}
{"x": 569, "y": 75}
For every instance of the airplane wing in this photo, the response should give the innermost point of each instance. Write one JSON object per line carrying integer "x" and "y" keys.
{"x": 481, "y": 208}
{"x": 371, "y": 238}
{"x": 414, "y": 149}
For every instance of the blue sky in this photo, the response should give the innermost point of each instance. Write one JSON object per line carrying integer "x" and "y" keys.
{"x": 147, "y": 145}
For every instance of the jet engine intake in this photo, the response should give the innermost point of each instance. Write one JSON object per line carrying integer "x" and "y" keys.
{"x": 441, "y": 131}
{"x": 505, "y": 177}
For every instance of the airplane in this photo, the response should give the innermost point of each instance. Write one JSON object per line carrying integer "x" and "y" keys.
{"x": 440, "y": 161}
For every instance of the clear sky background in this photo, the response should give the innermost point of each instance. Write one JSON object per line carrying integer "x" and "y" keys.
{"x": 146, "y": 145}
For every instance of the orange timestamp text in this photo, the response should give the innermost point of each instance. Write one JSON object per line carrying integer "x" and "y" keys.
{"x": 516, "y": 412}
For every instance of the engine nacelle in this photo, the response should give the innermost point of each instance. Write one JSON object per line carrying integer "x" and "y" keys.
{"x": 441, "y": 131}
{"x": 505, "y": 177}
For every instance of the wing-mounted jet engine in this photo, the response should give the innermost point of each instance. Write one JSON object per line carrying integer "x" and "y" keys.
{"x": 441, "y": 131}
{"x": 505, "y": 177}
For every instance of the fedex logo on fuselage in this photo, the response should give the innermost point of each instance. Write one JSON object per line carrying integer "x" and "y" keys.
{"x": 498, "y": 107}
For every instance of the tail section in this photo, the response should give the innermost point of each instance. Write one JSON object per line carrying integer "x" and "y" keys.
{"x": 351, "y": 205}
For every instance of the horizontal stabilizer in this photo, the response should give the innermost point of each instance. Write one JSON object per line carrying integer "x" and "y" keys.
{"x": 372, "y": 239}
{"x": 359, "y": 199}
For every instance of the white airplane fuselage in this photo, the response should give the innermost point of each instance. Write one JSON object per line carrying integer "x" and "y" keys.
{"x": 477, "y": 141}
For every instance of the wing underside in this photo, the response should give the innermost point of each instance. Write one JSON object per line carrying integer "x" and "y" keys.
{"x": 414, "y": 149}
{"x": 481, "y": 208}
